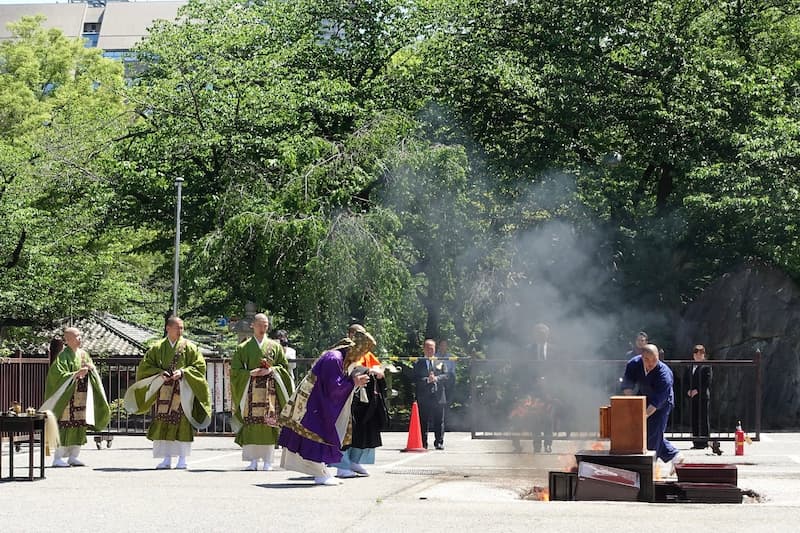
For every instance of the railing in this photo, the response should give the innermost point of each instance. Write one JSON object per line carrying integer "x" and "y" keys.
{"x": 736, "y": 393}
{"x": 484, "y": 395}
{"x": 119, "y": 373}
{"x": 22, "y": 380}
{"x": 576, "y": 389}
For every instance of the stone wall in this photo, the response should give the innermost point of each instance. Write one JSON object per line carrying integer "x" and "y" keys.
{"x": 756, "y": 307}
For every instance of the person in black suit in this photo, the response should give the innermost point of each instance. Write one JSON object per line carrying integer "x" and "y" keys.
{"x": 543, "y": 420}
{"x": 431, "y": 377}
{"x": 698, "y": 376}
{"x": 541, "y": 404}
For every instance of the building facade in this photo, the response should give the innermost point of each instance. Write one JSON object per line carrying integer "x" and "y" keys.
{"x": 113, "y": 26}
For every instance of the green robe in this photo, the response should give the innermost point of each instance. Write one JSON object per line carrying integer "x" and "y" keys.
{"x": 60, "y": 389}
{"x": 158, "y": 359}
{"x": 248, "y": 357}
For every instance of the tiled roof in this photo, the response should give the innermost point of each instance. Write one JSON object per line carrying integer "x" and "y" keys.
{"x": 136, "y": 334}
{"x": 106, "y": 334}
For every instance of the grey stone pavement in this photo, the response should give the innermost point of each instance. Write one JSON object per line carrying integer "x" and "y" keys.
{"x": 473, "y": 485}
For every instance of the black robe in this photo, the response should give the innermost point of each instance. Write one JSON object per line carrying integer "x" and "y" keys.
{"x": 371, "y": 417}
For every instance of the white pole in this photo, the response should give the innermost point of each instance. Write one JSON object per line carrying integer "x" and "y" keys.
{"x": 176, "y": 274}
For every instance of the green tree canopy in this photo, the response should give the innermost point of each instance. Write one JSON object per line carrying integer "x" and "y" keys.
{"x": 61, "y": 109}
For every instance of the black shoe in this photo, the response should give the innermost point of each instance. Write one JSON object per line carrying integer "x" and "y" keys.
{"x": 715, "y": 447}
{"x": 439, "y": 446}
{"x": 548, "y": 448}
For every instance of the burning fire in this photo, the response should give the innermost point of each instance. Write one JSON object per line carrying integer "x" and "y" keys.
{"x": 540, "y": 494}
{"x": 567, "y": 463}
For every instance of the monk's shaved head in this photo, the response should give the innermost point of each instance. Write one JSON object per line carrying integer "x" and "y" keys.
{"x": 72, "y": 337}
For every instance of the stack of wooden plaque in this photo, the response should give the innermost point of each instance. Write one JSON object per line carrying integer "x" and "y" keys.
{"x": 708, "y": 483}
{"x": 625, "y": 472}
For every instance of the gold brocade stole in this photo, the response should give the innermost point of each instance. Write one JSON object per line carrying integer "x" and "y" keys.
{"x": 262, "y": 401}
{"x": 74, "y": 414}
{"x": 168, "y": 405}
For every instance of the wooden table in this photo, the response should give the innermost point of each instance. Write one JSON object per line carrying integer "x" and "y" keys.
{"x": 28, "y": 425}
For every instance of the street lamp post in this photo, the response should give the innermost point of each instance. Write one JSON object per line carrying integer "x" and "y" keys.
{"x": 176, "y": 273}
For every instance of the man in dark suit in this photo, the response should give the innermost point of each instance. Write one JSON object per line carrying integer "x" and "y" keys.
{"x": 540, "y": 404}
{"x": 431, "y": 377}
{"x": 698, "y": 376}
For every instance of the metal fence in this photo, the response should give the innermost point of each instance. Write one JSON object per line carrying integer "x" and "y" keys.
{"x": 118, "y": 373}
{"x": 22, "y": 380}
{"x": 576, "y": 389}
{"x": 485, "y": 393}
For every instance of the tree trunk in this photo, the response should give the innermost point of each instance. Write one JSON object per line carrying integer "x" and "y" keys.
{"x": 432, "y": 322}
{"x": 665, "y": 187}
{"x": 15, "y": 255}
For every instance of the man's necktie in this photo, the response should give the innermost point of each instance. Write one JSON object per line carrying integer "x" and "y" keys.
{"x": 434, "y": 385}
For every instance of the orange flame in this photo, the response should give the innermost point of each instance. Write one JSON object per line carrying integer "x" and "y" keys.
{"x": 567, "y": 463}
{"x": 541, "y": 494}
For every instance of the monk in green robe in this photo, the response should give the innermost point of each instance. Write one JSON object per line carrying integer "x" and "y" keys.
{"x": 172, "y": 377}
{"x": 260, "y": 385}
{"x": 74, "y": 393}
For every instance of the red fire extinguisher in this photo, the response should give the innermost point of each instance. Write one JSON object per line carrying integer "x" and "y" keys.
{"x": 739, "y": 439}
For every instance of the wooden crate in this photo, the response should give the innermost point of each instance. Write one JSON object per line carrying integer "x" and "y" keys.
{"x": 606, "y": 483}
{"x": 628, "y": 424}
{"x": 707, "y": 473}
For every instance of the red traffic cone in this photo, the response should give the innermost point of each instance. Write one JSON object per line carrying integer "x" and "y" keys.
{"x": 414, "y": 443}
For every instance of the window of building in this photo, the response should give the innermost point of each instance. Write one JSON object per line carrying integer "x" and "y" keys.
{"x": 91, "y": 39}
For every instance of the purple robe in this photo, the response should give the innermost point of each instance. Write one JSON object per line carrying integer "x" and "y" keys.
{"x": 325, "y": 403}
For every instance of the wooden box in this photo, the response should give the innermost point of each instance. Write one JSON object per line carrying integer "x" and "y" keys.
{"x": 562, "y": 485}
{"x": 710, "y": 493}
{"x": 707, "y": 473}
{"x": 628, "y": 424}
{"x": 606, "y": 483}
{"x": 639, "y": 463}
{"x": 605, "y": 430}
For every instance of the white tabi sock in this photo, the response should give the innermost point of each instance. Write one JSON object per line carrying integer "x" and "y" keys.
{"x": 166, "y": 464}
{"x": 58, "y": 454}
{"x": 181, "y": 463}
{"x": 327, "y": 480}
{"x": 355, "y": 467}
{"x": 345, "y": 473}
{"x": 73, "y": 456}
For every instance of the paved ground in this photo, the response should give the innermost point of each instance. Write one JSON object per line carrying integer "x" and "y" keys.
{"x": 473, "y": 485}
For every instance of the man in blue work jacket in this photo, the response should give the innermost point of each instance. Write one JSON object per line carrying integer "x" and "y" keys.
{"x": 647, "y": 376}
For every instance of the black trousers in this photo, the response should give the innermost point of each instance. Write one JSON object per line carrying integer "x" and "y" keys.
{"x": 431, "y": 418}
{"x": 542, "y": 430}
{"x": 541, "y": 425}
{"x": 701, "y": 429}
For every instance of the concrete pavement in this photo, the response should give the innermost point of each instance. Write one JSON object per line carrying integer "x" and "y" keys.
{"x": 473, "y": 485}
